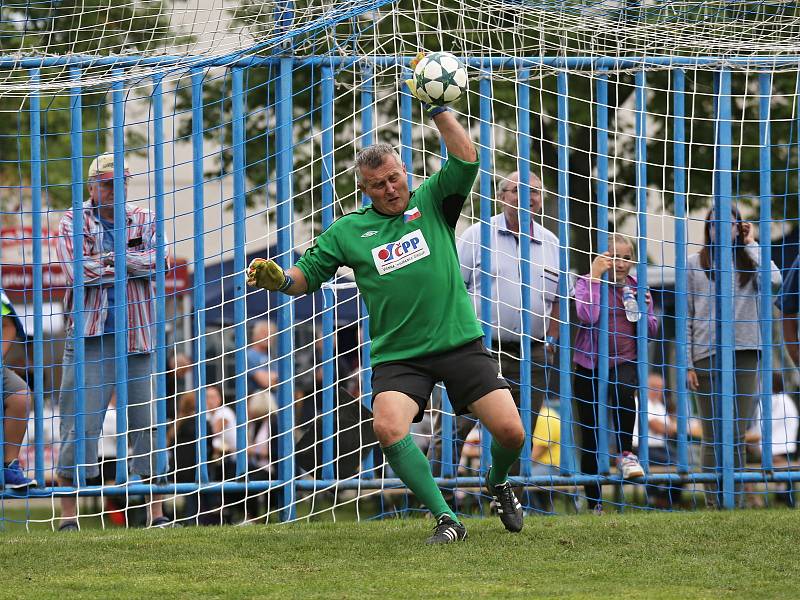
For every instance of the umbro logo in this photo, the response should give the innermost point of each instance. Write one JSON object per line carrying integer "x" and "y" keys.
{"x": 369, "y": 233}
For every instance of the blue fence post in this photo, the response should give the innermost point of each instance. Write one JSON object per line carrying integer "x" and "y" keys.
{"x": 239, "y": 254}
{"x": 78, "y": 294}
{"x": 486, "y": 195}
{"x": 285, "y": 215}
{"x": 198, "y": 293}
{"x": 120, "y": 280}
{"x": 406, "y": 132}
{"x": 449, "y": 469}
{"x": 602, "y": 365}
{"x": 329, "y": 391}
{"x": 38, "y": 327}
{"x": 724, "y": 287}
{"x": 157, "y": 100}
{"x": 525, "y": 221}
{"x": 642, "y": 335}
{"x": 564, "y": 344}
{"x": 765, "y": 268}
{"x": 681, "y": 303}
{"x": 330, "y": 385}
{"x": 367, "y": 138}
{"x": 449, "y": 466}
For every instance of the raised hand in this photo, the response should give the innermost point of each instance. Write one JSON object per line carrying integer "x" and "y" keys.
{"x": 602, "y": 263}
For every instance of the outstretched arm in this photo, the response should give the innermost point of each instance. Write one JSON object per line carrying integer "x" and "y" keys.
{"x": 453, "y": 134}
{"x": 455, "y": 137}
{"x": 268, "y": 275}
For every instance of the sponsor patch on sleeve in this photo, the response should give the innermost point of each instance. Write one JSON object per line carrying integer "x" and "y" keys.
{"x": 396, "y": 255}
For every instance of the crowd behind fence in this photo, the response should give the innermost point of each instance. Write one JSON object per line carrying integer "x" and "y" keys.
{"x": 272, "y": 406}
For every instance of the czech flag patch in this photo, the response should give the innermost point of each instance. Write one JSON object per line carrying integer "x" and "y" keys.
{"x": 411, "y": 214}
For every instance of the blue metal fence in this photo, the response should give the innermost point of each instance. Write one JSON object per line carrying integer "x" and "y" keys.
{"x": 326, "y": 71}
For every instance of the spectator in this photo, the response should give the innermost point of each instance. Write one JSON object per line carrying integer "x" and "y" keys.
{"x": 788, "y": 302}
{"x": 114, "y": 506}
{"x": 16, "y": 402}
{"x": 178, "y": 367}
{"x": 662, "y": 431}
{"x": 784, "y": 419}
{"x": 546, "y": 455}
{"x": 221, "y": 433}
{"x": 259, "y": 456}
{"x": 261, "y": 425}
{"x": 701, "y": 350}
{"x": 107, "y": 449}
{"x": 623, "y": 379}
{"x": 343, "y": 376}
{"x": 784, "y": 423}
{"x": 506, "y": 293}
{"x": 197, "y": 508}
{"x": 50, "y": 445}
{"x": 224, "y": 446}
{"x": 99, "y": 324}
{"x": 260, "y": 377}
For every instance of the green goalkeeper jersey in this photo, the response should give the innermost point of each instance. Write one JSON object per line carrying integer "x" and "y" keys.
{"x": 406, "y": 268}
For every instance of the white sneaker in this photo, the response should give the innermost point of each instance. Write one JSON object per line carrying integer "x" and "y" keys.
{"x": 629, "y": 466}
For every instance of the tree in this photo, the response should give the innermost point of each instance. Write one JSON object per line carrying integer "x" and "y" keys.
{"x": 517, "y": 29}
{"x": 90, "y": 27}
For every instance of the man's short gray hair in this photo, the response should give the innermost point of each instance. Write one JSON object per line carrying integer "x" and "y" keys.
{"x": 372, "y": 157}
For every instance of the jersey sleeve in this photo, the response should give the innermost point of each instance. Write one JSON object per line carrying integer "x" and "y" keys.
{"x": 450, "y": 187}
{"x": 320, "y": 262}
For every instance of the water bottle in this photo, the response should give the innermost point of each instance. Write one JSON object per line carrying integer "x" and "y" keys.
{"x": 631, "y": 305}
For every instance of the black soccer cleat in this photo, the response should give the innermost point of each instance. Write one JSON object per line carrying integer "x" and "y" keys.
{"x": 508, "y": 507}
{"x": 447, "y": 531}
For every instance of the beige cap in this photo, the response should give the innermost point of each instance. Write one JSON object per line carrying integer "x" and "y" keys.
{"x": 102, "y": 168}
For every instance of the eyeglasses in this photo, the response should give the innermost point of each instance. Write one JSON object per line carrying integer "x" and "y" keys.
{"x": 109, "y": 183}
{"x": 515, "y": 190}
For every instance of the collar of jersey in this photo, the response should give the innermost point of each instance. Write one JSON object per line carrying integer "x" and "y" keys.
{"x": 393, "y": 216}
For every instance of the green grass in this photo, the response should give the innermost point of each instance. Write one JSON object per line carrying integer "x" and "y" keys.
{"x": 743, "y": 554}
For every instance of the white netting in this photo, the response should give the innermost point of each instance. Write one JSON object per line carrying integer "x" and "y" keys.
{"x": 160, "y": 36}
{"x": 597, "y": 85}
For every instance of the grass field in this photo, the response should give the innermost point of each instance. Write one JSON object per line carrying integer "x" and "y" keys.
{"x": 740, "y": 554}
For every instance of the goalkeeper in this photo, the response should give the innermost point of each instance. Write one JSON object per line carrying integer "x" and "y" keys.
{"x": 424, "y": 330}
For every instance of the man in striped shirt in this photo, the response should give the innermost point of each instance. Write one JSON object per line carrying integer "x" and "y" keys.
{"x": 98, "y": 326}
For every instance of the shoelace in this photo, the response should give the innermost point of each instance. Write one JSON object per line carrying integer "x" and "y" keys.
{"x": 446, "y": 528}
{"x": 505, "y": 498}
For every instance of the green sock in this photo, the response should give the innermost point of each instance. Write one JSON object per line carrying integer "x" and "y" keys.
{"x": 502, "y": 459}
{"x": 411, "y": 466}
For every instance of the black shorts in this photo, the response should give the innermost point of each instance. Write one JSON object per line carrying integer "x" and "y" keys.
{"x": 468, "y": 372}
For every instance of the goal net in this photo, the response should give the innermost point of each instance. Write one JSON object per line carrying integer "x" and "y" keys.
{"x": 239, "y": 123}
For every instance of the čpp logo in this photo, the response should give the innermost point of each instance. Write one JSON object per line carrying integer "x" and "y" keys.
{"x": 395, "y": 255}
{"x": 398, "y": 249}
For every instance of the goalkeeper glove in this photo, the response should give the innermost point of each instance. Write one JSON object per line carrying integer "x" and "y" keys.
{"x": 431, "y": 109}
{"x": 268, "y": 275}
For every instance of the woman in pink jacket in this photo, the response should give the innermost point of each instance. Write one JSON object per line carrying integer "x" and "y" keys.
{"x": 623, "y": 380}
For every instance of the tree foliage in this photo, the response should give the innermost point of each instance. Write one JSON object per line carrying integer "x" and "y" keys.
{"x": 517, "y": 31}
{"x": 68, "y": 27}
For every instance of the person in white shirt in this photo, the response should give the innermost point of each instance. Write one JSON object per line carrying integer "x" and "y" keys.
{"x": 662, "y": 432}
{"x": 785, "y": 423}
{"x": 506, "y": 294}
{"x": 221, "y": 424}
{"x": 784, "y": 420}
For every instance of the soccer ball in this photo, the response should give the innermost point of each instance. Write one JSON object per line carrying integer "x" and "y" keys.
{"x": 440, "y": 78}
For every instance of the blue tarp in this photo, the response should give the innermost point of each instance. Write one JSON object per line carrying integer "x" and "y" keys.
{"x": 220, "y": 293}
